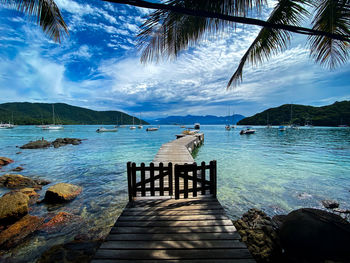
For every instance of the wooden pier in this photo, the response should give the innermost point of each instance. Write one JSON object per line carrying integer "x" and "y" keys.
{"x": 161, "y": 224}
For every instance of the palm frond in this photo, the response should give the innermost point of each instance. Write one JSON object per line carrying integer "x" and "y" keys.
{"x": 47, "y": 14}
{"x": 166, "y": 33}
{"x": 272, "y": 41}
{"x": 330, "y": 16}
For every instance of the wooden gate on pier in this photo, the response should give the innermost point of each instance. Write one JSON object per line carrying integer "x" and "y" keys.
{"x": 158, "y": 180}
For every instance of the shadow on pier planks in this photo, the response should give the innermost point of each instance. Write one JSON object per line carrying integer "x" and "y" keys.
{"x": 184, "y": 230}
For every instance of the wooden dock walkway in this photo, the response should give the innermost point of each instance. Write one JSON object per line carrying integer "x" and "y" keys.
{"x": 155, "y": 227}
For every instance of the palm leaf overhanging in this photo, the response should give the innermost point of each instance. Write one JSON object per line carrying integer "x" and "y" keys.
{"x": 330, "y": 16}
{"x": 166, "y": 33}
{"x": 47, "y": 14}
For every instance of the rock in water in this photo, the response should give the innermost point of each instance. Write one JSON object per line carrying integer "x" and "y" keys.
{"x": 62, "y": 192}
{"x": 315, "y": 234}
{"x": 17, "y": 232}
{"x": 36, "y": 144}
{"x": 17, "y": 169}
{"x": 13, "y": 206}
{"x": 60, "y": 221}
{"x": 5, "y": 161}
{"x": 64, "y": 141}
{"x": 330, "y": 204}
{"x": 20, "y": 181}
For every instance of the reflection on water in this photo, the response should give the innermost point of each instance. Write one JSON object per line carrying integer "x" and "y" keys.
{"x": 272, "y": 170}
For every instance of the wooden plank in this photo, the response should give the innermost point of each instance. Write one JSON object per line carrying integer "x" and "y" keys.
{"x": 168, "y": 230}
{"x": 208, "y": 244}
{"x": 174, "y": 236}
{"x": 174, "y": 223}
{"x": 170, "y": 254}
{"x": 232, "y": 260}
{"x": 176, "y": 208}
{"x": 170, "y": 212}
{"x": 172, "y": 218}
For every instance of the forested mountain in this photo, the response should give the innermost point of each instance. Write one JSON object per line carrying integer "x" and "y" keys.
{"x": 332, "y": 115}
{"x": 23, "y": 113}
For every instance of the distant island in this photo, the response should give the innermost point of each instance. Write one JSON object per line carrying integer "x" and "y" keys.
{"x": 26, "y": 113}
{"x": 191, "y": 119}
{"x": 335, "y": 114}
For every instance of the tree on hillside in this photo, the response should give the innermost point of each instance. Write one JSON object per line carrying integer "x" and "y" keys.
{"x": 178, "y": 24}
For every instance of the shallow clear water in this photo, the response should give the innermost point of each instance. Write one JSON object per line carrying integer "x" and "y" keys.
{"x": 272, "y": 170}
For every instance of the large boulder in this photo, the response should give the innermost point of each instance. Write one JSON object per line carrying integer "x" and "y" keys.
{"x": 36, "y": 144}
{"x": 13, "y": 206}
{"x": 62, "y": 192}
{"x": 315, "y": 234}
{"x": 17, "y": 232}
{"x": 5, "y": 161}
{"x": 64, "y": 141}
{"x": 20, "y": 181}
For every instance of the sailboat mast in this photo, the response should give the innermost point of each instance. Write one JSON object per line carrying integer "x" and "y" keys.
{"x": 53, "y": 114}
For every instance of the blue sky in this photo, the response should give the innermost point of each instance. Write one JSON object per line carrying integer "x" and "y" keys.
{"x": 98, "y": 67}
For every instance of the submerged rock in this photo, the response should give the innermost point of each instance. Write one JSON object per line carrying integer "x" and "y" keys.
{"x": 13, "y": 206}
{"x": 5, "y": 161}
{"x": 330, "y": 204}
{"x": 60, "y": 221}
{"x": 17, "y": 169}
{"x": 64, "y": 141}
{"x": 315, "y": 234}
{"x": 62, "y": 192}
{"x": 19, "y": 181}
{"x": 17, "y": 232}
{"x": 75, "y": 251}
{"x": 36, "y": 144}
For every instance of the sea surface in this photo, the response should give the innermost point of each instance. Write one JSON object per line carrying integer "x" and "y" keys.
{"x": 270, "y": 170}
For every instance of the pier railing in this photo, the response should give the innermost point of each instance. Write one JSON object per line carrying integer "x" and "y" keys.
{"x": 158, "y": 180}
{"x": 151, "y": 180}
{"x": 192, "y": 178}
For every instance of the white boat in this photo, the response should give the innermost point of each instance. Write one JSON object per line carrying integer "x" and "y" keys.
{"x": 102, "y": 129}
{"x": 52, "y": 126}
{"x": 6, "y": 126}
{"x": 133, "y": 124}
{"x": 281, "y": 128}
{"x": 152, "y": 129}
{"x": 247, "y": 131}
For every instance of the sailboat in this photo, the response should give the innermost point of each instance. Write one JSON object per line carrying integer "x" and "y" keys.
{"x": 7, "y": 125}
{"x": 52, "y": 126}
{"x": 228, "y": 127}
{"x": 140, "y": 125}
{"x": 133, "y": 124}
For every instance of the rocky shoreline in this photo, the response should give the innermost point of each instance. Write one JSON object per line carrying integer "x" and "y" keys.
{"x": 305, "y": 235}
{"x": 17, "y": 225}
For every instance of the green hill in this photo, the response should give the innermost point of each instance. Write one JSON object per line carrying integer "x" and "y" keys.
{"x": 25, "y": 113}
{"x": 331, "y": 115}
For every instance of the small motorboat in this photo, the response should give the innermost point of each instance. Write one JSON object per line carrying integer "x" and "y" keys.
{"x": 102, "y": 129}
{"x": 152, "y": 129}
{"x": 281, "y": 128}
{"x": 227, "y": 127}
{"x": 247, "y": 131}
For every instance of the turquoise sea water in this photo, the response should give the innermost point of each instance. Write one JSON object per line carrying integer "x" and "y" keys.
{"x": 271, "y": 170}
